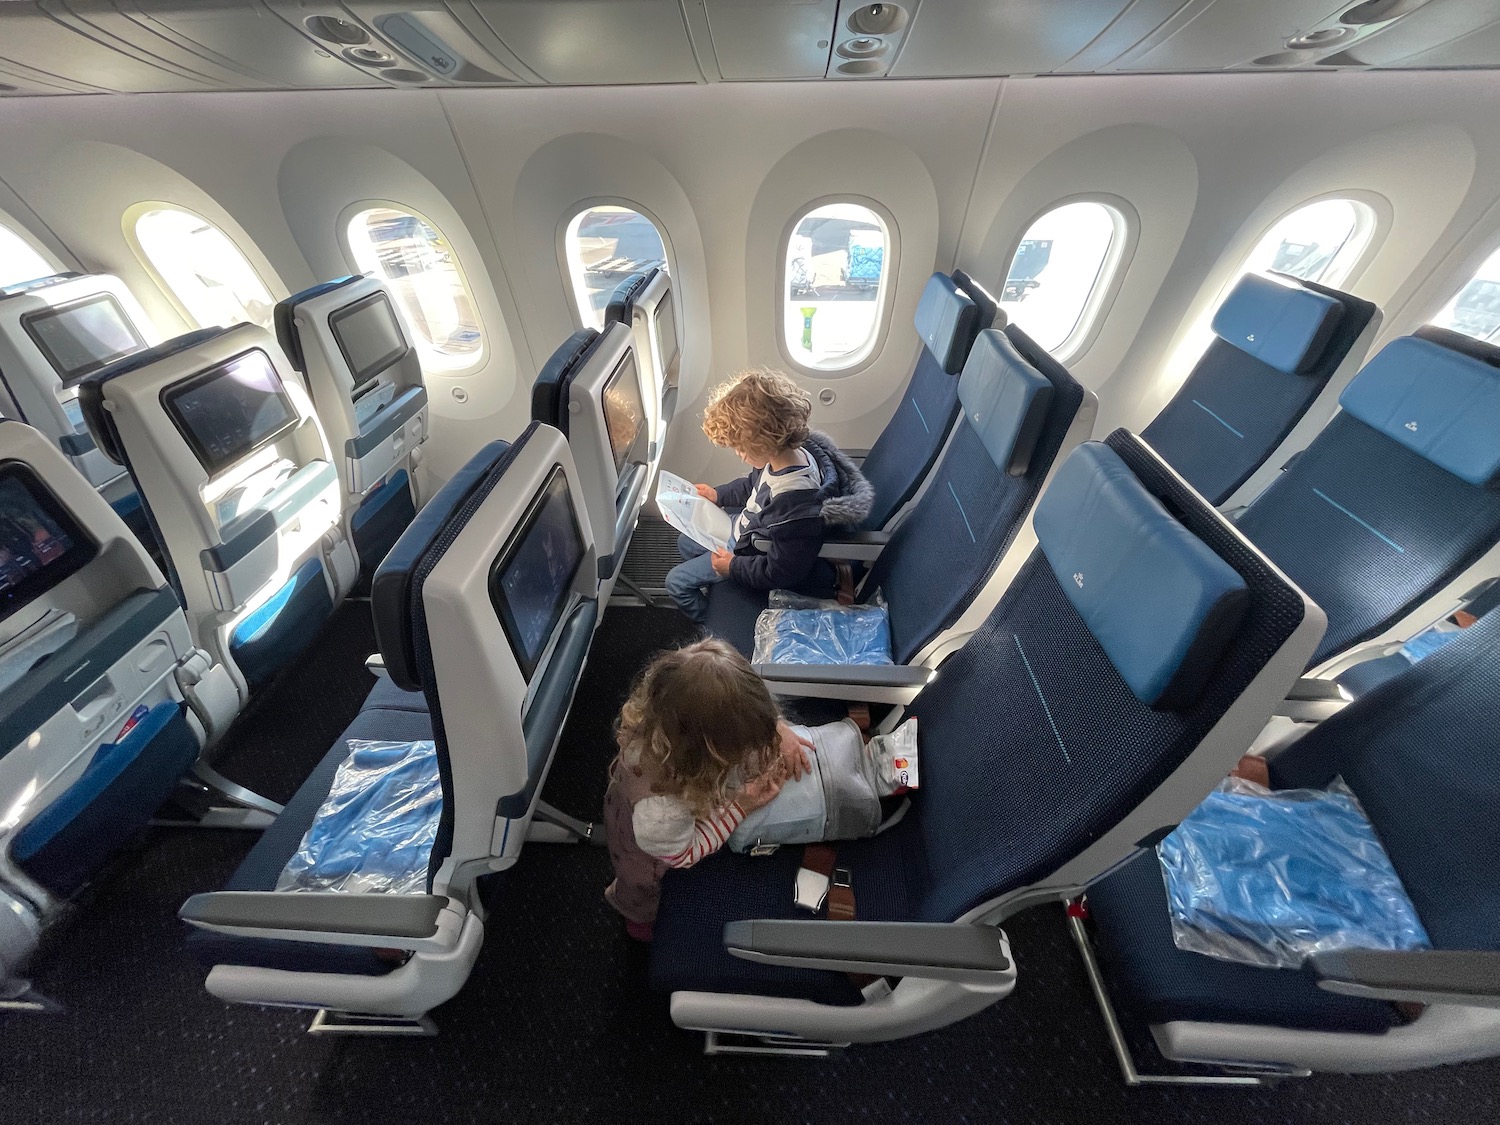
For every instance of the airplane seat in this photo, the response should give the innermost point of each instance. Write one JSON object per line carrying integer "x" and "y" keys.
{"x": 1396, "y": 500}
{"x": 1139, "y": 650}
{"x": 593, "y": 390}
{"x": 365, "y": 379}
{"x": 1279, "y": 344}
{"x": 941, "y": 571}
{"x": 1418, "y": 753}
{"x": 54, "y": 331}
{"x": 646, "y": 304}
{"x": 950, "y": 316}
{"x": 237, "y": 480}
{"x": 85, "y": 759}
{"x": 486, "y": 607}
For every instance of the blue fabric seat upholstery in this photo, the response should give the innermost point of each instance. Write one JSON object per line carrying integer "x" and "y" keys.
{"x": 974, "y": 506}
{"x": 1276, "y": 345}
{"x": 1419, "y": 752}
{"x": 1033, "y": 744}
{"x": 1370, "y": 527}
{"x": 952, "y": 312}
{"x": 273, "y": 635}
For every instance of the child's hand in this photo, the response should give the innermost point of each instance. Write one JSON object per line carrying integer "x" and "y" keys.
{"x": 794, "y": 750}
{"x": 762, "y": 791}
{"x": 721, "y": 561}
{"x": 708, "y": 492}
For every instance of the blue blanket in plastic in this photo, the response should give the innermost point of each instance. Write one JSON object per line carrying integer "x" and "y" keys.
{"x": 374, "y": 831}
{"x": 843, "y": 635}
{"x": 1270, "y": 878}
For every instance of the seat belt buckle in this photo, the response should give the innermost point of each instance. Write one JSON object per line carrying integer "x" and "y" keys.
{"x": 764, "y": 849}
{"x": 812, "y": 889}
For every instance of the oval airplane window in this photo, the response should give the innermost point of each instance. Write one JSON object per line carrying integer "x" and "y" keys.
{"x": 1475, "y": 309}
{"x": 198, "y": 265}
{"x": 604, "y": 245}
{"x": 834, "y": 286}
{"x": 1060, "y": 270}
{"x": 421, "y": 268}
{"x": 1318, "y": 241}
{"x": 19, "y": 260}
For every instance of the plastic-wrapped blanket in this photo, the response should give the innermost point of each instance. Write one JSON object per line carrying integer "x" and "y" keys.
{"x": 1270, "y": 878}
{"x": 798, "y": 630}
{"x": 374, "y": 831}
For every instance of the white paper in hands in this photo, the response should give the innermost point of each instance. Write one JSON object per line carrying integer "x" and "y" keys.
{"x": 704, "y": 523}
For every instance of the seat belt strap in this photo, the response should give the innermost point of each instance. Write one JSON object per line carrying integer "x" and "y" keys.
{"x": 834, "y": 884}
{"x": 845, "y": 593}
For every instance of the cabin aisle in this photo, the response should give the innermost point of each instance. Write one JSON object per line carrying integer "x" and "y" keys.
{"x": 556, "y": 1023}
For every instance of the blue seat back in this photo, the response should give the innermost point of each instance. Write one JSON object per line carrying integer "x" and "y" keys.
{"x": 398, "y": 609}
{"x": 1366, "y": 525}
{"x": 1034, "y": 744}
{"x": 549, "y": 393}
{"x": 1419, "y": 751}
{"x": 1276, "y": 345}
{"x": 942, "y": 554}
{"x": 948, "y": 320}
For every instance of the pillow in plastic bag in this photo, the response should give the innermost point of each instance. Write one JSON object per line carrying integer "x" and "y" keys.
{"x": 374, "y": 831}
{"x": 798, "y": 630}
{"x": 1269, "y": 878}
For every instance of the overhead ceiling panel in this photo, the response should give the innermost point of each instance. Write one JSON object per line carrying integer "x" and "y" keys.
{"x": 771, "y": 38}
{"x": 248, "y": 38}
{"x": 576, "y": 42}
{"x": 1226, "y": 33}
{"x": 959, "y": 38}
{"x": 1440, "y": 33}
{"x": 1137, "y": 22}
{"x": 34, "y": 39}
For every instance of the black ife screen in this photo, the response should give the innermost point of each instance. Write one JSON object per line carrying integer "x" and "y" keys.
{"x": 230, "y": 410}
{"x": 624, "y": 412}
{"x": 666, "y": 334}
{"x": 529, "y": 586}
{"x": 83, "y": 337}
{"x": 40, "y": 543}
{"x": 369, "y": 335}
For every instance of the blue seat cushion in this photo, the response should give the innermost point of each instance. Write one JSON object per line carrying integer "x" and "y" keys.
{"x": 947, "y": 320}
{"x": 1163, "y": 983}
{"x": 1441, "y": 404}
{"x": 381, "y": 519}
{"x": 1162, "y": 604}
{"x": 117, "y": 793}
{"x": 1005, "y": 401}
{"x": 273, "y": 635}
{"x": 263, "y": 865}
{"x": 1283, "y": 325}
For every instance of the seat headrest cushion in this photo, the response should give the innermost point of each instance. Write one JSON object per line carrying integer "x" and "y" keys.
{"x": 623, "y": 298}
{"x": 1439, "y": 403}
{"x": 549, "y": 402}
{"x": 284, "y": 318}
{"x": 1159, "y": 601}
{"x": 1283, "y": 325}
{"x": 1005, "y": 401}
{"x": 391, "y": 588}
{"x": 947, "y": 321}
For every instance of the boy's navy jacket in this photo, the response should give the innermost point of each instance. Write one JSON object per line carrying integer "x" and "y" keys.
{"x": 791, "y": 523}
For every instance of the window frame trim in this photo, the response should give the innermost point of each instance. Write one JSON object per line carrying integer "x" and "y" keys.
{"x": 1469, "y": 272}
{"x": 1372, "y": 217}
{"x": 885, "y": 296}
{"x": 129, "y": 222}
{"x": 1114, "y": 266}
{"x": 429, "y": 351}
{"x": 565, "y": 266}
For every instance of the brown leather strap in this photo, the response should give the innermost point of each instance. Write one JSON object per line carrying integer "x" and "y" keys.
{"x": 846, "y": 583}
{"x": 841, "y": 898}
{"x": 819, "y": 858}
{"x": 822, "y": 858}
{"x": 860, "y": 713}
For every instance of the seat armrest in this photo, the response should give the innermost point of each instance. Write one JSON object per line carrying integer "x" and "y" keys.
{"x": 861, "y": 546}
{"x": 970, "y": 954}
{"x": 384, "y": 921}
{"x": 1423, "y": 976}
{"x": 1307, "y": 690}
{"x": 866, "y": 683}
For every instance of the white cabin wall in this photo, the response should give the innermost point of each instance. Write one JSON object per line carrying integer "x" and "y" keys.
{"x": 1206, "y": 162}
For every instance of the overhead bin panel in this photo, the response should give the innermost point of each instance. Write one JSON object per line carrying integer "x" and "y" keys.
{"x": 244, "y": 37}
{"x": 35, "y": 40}
{"x": 1227, "y": 33}
{"x": 579, "y": 43}
{"x": 768, "y": 39}
{"x": 1440, "y": 33}
{"x": 957, "y": 38}
{"x": 1139, "y": 21}
{"x": 18, "y": 79}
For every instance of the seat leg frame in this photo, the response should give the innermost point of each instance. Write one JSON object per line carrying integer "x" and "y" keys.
{"x": 790, "y": 1046}
{"x": 1241, "y": 1075}
{"x": 551, "y": 825}
{"x": 329, "y": 1022}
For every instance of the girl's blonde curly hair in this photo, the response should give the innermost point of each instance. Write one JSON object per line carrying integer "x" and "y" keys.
{"x": 701, "y": 719}
{"x": 759, "y": 410}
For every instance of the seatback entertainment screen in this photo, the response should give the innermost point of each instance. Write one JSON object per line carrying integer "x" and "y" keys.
{"x": 230, "y": 410}
{"x": 369, "y": 335}
{"x": 624, "y": 412}
{"x": 84, "y": 336}
{"x": 40, "y": 542}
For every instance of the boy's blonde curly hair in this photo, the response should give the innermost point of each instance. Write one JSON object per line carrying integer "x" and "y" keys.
{"x": 758, "y": 410}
